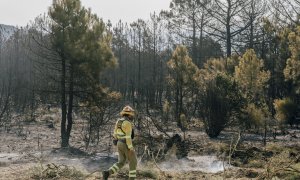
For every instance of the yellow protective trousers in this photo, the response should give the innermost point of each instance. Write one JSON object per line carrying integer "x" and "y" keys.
{"x": 125, "y": 154}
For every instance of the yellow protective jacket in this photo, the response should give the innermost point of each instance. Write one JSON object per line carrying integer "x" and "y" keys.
{"x": 123, "y": 130}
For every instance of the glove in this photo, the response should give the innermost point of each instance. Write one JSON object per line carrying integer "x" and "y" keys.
{"x": 115, "y": 141}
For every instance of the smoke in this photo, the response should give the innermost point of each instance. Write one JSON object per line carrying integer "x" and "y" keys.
{"x": 208, "y": 164}
{"x": 8, "y": 157}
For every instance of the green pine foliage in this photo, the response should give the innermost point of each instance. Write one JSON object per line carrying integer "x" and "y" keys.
{"x": 251, "y": 76}
{"x": 291, "y": 71}
{"x": 183, "y": 81}
{"x": 253, "y": 81}
{"x": 83, "y": 45}
{"x": 81, "y": 37}
{"x": 181, "y": 68}
{"x": 254, "y": 115}
{"x": 82, "y": 40}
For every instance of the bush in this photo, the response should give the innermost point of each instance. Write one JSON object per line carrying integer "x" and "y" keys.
{"x": 286, "y": 111}
{"x": 220, "y": 102}
{"x": 254, "y": 115}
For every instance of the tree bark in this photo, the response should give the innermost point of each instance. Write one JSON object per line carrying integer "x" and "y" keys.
{"x": 194, "y": 41}
{"x": 228, "y": 38}
{"x": 64, "y": 139}
{"x": 70, "y": 104}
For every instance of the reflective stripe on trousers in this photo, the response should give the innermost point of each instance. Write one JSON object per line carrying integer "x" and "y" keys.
{"x": 132, "y": 174}
{"x": 125, "y": 154}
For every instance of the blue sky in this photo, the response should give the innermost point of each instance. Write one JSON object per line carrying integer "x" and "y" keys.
{"x": 20, "y": 12}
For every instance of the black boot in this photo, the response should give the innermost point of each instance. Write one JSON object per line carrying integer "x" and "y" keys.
{"x": 105, "y": 174}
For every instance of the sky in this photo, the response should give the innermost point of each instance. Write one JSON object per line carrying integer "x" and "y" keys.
{"x": 20, "y": 12}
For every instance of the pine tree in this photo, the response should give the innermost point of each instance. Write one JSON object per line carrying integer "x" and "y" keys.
{"x": 182, "y": 79}
{"x": 253, "y": 79}
{"x": 220, "y": 99}
{"x": 250, "y": 75}
{"x": 83, "y": 45}
{"x": 291, "y": 71}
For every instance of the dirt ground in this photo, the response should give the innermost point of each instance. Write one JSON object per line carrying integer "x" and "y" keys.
{"x": 38, "y": 145}
{"x": 29, "y": 147}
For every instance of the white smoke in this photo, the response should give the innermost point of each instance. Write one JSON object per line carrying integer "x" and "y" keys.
{"x": 208, "y": 164}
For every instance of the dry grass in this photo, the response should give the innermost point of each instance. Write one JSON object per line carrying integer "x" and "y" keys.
{"x": 53, "y": 171}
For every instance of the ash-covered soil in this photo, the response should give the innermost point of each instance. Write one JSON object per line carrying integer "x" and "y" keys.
{"x": 28, "y": 145}
{"x": 25, "y": 145}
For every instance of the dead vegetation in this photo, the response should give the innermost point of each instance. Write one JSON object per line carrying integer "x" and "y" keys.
{"x": 55, "y": 172}
{"x": 247, "y": 155}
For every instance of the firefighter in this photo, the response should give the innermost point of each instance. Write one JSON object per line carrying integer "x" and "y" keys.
{"x": 123, "y": 135}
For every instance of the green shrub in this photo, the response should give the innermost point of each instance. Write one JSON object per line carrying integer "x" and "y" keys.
{"x": 286, "y": 110}
{"x": 220, "y": 102}
{"x": 254, "y": 115}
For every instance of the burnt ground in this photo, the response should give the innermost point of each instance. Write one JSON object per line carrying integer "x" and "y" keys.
{"x": 26, "y": 146}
